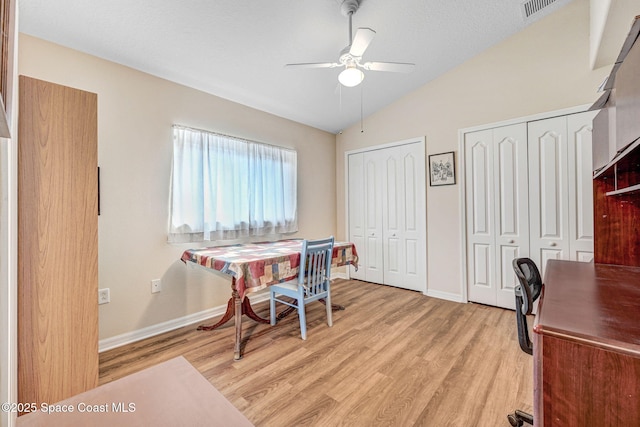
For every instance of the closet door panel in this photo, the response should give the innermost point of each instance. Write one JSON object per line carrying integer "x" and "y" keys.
{"x": 356, "y": 211}
{"x": 406, "y": 226}
{"x": 412, "y": 177}
{"x": 580, "y": 129}
{"x": 546, "y": 254}
{"x": 512, "y": 207}
{"x": 402, "y": 229}
{"x": 392, "y": 228}
{"x": 548, "y": 187}
{"x": 479, "y": 155}
{"x": 482, "y": 191}
{"x": 414, "y": 259}
{"x": 414, "y": 240}
{"x": 506, "y": 277}
{"x": 374, "y": 194}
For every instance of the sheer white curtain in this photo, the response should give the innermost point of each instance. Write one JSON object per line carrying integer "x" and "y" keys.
{"x": 228, "y": 188}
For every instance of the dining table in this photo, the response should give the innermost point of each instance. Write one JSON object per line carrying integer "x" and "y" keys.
{"x": 256, "y": 266}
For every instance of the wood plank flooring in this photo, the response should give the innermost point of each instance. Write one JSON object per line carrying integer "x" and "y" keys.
{"x": 392, "y": 358}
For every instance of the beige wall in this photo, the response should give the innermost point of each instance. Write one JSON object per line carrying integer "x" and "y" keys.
{"x": 543, "y": 68}
{"x": 135, "y": 114}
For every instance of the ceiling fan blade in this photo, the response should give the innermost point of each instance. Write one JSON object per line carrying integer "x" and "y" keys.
{"x": 395, "y": 67}
{"x": 361, "y": 41}
{"x": 313, "y": 65}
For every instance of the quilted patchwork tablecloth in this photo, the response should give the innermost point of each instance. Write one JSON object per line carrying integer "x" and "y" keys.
{"x": 258, "y": 265}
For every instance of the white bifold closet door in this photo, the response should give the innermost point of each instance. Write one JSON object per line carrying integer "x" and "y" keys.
{"x": 497, "y": 211}
{"x": 373, "y": 208}
{"x": 355, "y": 187}
{"x": 528, "y": 193}
{"x": 386, "y": 200}
{"x": 561, "y": 189}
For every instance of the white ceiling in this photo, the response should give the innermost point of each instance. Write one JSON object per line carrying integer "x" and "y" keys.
{"x": 236, "y": 49}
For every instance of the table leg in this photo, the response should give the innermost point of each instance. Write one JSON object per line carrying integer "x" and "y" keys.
{"x": 246, "y": 309}
{"x": 225, "y": 318}
{"x": 236, "y": 307}
{"x": 230, "y": 313}
{"x": 238, "y": 315}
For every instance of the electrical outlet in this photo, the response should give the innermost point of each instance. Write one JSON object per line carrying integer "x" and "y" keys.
{"x": 156, "y": 286}
{"x": 104, "y": 296}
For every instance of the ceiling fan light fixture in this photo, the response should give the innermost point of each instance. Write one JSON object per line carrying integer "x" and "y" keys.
{"x": 351, "y": 76}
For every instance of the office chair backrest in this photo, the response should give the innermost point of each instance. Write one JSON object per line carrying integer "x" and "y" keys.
{"x": 526, "y": 292}
{"x": 530, "y": 282}
{"x": 315, "y": 265}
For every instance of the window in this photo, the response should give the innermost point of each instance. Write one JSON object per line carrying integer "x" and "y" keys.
{"x": 228, "y": 188}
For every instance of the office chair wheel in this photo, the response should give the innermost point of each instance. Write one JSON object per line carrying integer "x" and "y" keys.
{"x": 518, "y": 418}
{"x": 514, "y": 421}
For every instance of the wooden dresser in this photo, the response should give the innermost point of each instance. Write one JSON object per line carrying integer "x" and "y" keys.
{"x": 587, "y": 330}
{"x": 587, "y": 346}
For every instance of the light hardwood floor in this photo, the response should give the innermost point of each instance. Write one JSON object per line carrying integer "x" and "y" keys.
{"x": 393, "y": 358}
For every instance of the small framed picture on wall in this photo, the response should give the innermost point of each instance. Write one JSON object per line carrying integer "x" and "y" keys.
{"x": 442, "y": 169}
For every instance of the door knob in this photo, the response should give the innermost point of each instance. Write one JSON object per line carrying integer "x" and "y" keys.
{"x": 553, "y": 244}
{"x": 512, "y": 241}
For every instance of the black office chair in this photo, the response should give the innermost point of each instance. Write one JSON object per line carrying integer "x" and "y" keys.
{"x": 526, "y": 293}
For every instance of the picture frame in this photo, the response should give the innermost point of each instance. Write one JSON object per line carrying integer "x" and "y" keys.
{"x": 442, "y": 169}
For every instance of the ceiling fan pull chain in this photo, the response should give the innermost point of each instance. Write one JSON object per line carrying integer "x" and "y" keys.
{"x": 361, "y": 109}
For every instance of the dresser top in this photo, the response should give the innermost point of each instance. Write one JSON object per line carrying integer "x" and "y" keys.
{"x": 596, "y": 304}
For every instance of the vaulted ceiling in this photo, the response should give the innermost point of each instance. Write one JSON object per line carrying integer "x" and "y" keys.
{"x": 237, "y": 49}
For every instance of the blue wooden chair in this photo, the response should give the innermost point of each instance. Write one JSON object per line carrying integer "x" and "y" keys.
{"x": 312, "y": 283}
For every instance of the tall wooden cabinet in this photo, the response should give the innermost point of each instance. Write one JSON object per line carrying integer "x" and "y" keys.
{"x": 57, "y": 242}
{"x": 617, "y": 177}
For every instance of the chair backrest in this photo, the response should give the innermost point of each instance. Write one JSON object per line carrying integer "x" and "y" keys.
{"x": 315, "y": 265}
{"x": 530, "y": 282}
{"x": 526, "y": 292}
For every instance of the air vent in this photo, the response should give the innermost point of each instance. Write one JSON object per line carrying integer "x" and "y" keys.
{"x": 531, "y": 7}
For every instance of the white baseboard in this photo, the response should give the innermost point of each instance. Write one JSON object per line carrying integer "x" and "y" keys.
{"x": 445, "y": 295}
{"x": 169, "y": 325}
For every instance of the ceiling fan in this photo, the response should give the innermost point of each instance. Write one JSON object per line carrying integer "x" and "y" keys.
{"x": 351, "y": 56}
